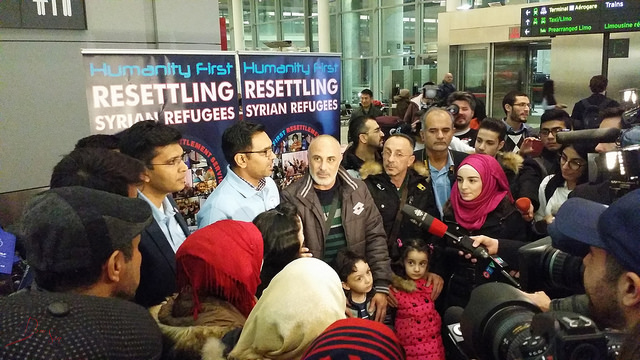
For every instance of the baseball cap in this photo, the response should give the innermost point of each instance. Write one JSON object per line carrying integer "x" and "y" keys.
{"x": 581, "y": 223}
{"x": 70, "y": 228}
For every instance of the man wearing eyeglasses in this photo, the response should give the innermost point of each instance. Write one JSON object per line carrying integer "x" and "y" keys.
{"x": 247, "y": 190}
{"x": 157, "y": 146}
{"x": 516, "y": 106}
{"x": 366, "y": 140}
{"x": 397, "y": 182}
{"x": 538, "y": 167}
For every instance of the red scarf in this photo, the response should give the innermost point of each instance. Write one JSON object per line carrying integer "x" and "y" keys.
{"x": 222, "y": 260}
{"x": 471, "y": 215}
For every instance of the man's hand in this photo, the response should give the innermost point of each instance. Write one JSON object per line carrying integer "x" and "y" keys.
{"x": 437, "y": 282}
{"x": 379, "y": 305}
{"x": 540, "y": 298}
{"x": 490, "y": 243}
{"x": 391, "y": 299}
{"x": 304, "y": 252}
{"x": 549, "y": 219}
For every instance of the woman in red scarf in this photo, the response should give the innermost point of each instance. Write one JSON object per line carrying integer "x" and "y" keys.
{"x": 481, "y": 204}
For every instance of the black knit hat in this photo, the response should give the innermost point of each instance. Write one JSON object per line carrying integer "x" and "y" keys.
{"x": 72, "y": 228}
{"x": 39, "y": 325}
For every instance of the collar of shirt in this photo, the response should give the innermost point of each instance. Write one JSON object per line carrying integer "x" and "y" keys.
{"x": 159, "y": 216}
{"x": 243, "y": 186}
{"x": 510, "y": 130}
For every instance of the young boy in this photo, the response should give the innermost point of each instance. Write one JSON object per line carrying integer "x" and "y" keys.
{"x": 357, "y": 282}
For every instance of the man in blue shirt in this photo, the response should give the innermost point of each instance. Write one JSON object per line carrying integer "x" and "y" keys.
{"x": 437, "y": 132}
{"x": 247, "y": 190}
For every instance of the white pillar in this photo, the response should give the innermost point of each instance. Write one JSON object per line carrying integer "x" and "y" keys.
{"x": 323, "y": 26}
{"x": 238, "y": 25}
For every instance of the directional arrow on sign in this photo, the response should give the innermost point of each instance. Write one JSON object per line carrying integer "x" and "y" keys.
{"x": 528, "y": 12}
{"x": 526, "y": 31}
{"x": 528, "y": 21}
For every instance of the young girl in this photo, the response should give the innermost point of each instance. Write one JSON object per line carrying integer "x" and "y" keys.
{"x": 417, "y": 322}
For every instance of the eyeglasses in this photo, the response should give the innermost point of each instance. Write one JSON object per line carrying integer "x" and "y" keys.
{"x": 574, "y": 164}
{"x": 175, "y": 161}
{"x": 523, "y": 105}
{"x": 266, "y": 152}
{"x": 554, "y": 131}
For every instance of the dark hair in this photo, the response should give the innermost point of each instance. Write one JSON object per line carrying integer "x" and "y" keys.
{"x": 357, "y": 126}
{"x": 557, "y": 180}
{"x": 610, "y": 112}
{"x": 462, "y": 96}
{"x": 407, "y": 246}
{"x": 367, "y": 92}
{"x": 102, "y": 141}
{"x": 510, "y": 98}
{"x": 279, "y": 228}
{"x": 237, "y": 138}
{"x": 495, "y": 125}
{"x": 557, "y": 115}
{"x": 404, "y": 136}
{"x": 345, "y": 263}
{"x": 548, "y": 92}
{"x": 598, "y": 84}
{"x": 141, "y": 140}
{"x": 99, "y": 169}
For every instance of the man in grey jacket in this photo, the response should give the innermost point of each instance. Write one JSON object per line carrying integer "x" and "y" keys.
{"x": 338, "y": 212}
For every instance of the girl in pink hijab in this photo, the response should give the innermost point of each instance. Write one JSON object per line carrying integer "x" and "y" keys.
{"x": 481, "y": 204}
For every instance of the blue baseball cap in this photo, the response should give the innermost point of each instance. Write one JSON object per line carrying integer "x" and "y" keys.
{"x": 581, "y": 223}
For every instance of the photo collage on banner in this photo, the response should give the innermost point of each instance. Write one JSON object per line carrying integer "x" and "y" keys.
{"x": 296, "y": 97}
{"x": 194, "y": 92}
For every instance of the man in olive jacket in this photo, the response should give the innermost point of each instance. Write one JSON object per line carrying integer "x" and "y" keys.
{"x": 328, "y": 192}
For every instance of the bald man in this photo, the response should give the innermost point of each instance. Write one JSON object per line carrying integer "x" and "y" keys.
{"x": 338, "y": 212}
{"x": 446, "y": 88}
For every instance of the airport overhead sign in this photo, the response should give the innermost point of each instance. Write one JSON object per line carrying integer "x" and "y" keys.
{"x": 587, "y": 17}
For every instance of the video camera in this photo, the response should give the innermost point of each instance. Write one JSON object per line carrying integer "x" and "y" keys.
{"x": 543, "y": 267}
{"x": 501, "y": 323}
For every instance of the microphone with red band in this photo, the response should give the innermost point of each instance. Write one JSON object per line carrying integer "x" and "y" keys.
{"x": 523, "y": 204}
{"x": 440, "y": 229}
{"x": 461, "y": 242}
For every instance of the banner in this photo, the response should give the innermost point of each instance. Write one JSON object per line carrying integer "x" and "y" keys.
{"x": 193, "y": 92}
{"x": 296, "y": 97}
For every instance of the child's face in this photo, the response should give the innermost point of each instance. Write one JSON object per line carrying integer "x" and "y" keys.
{"x": 415, "y": 264}
{"x": 361, "y": 280}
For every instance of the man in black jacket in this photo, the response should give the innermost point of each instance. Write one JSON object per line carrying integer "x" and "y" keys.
{"x": 398, "y": 182}
{"x": 593, "y": 104}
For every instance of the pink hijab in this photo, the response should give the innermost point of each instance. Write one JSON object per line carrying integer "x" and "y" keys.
{"x": 471, "y": 215}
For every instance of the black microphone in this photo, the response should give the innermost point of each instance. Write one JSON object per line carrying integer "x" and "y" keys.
{"x": 590, "y": 136}
{"x": 451, "y": 319}
{"x": 440, "y": 229}
{"x": 461, "y": 242}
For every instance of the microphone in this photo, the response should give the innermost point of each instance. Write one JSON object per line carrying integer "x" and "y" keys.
{"x": 461, "y": 242}
{"x": 451, "y": 320}
{"x": 440, "y": 229}
{"x": 523, "y": 204}
{"x": 590, "y": 136}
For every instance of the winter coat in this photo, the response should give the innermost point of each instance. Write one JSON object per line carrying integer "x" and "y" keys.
{"x": 417, "y": 322}
{"x": 362, "y": 223}
{"x": 186, "y": 338}
{"x": 387, "y": 199}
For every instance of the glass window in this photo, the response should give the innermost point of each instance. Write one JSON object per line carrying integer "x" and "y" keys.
{"x": 293, "y": 30}
{"x": 356, "y": 76}
{"x": 358, "y": 4}
{"x": 266, "y": 10}
{"x": 430, "y": 30}
{"x": 357, "y": 29}
{"x": 266, "y": 32}
{"x": 398, "y": 30}
{"x": 246, "y": 11}
{"x": 248, "y": 38}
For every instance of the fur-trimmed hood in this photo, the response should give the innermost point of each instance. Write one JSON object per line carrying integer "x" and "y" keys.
{"x": 371, "y": 168}
{"x": 402, "y": 284}
{"x": 186, "y": 340}
{"x": 510, "y": 161}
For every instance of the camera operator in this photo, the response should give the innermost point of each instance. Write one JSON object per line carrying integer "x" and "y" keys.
{"x": 608, "y": 237}
{"x": 611, "y": 118}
